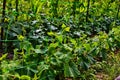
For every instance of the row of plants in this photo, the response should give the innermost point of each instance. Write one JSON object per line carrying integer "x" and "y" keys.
{"x": 57, "y": 39}
{"x": 73, "y": 9}
{"x": 59, "y": 56}
{"x": 66, "y": 9}
{"x": 34, "y": 18}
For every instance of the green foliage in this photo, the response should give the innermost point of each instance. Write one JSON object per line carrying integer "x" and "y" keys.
{"x": 71, "y": 70}
{"x": 63, "y": 56}
{"x": 52, "y": 40}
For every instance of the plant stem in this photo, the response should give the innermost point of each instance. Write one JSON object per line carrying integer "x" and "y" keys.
{"x": 16, "y": 10}
{"x": 55, "y": 6}
{"x": 118, "y": 11}
{"x": 74, "y": 8}
{"x": 87, "y": 13}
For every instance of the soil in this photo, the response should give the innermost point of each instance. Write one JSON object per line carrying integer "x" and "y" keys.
{"x": 9, "y": 56}
{"x": 101, "y": 76}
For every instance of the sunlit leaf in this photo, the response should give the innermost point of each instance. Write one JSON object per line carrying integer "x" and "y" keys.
{"x": 63, "y": 25}
{"x": 25, "y": 77}
{"x": 50, "y": 33}
{"x": 67, "y": 29}
{"x": 3, "y": 57}
{"x": 53, "y": 45}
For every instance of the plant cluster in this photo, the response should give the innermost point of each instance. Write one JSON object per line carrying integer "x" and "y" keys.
{"x": 57, "y": 39}
{"x": 59, "y": 56}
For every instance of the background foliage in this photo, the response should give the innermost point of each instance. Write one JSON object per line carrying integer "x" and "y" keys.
{"x": 58, "y": 39}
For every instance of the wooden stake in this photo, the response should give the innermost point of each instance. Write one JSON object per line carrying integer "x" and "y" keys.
{"x": 3, "y": 19}
{"x": 118, "y": 11}
{"x": 16, "y": 10}
{"x": 87, "y": 13}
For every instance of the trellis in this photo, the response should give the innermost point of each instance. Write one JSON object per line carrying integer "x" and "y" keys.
{"x": 3, "y": 19}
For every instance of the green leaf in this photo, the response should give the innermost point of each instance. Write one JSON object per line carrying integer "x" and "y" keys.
{"x": 53, "y": 45}
{"x": 63, "y": 26}
{"x": 25, "y": 77}
{"x": 48, "y": 75}
{"x": 67, "y": 29}
{"x": 85, "y": 65}
{"x": 74, "y": 67}
{"x": 67, "y": 47}
{"x": 60, "y": 38}
{"x": 20, "y": 37}
{"x": 35, "y": 77}
{"x": 50, "y": 33}
{"x": 37, "y": 51}
{"x": 66, "y": 70}
{"x": 87, "y": 47}
{"x": 42, "y": 68}
{"x": 3, "y": 57}
{"x": 33, "y": 70}
{"x": 73, "y": 41}
{"x": 71, "y": 70}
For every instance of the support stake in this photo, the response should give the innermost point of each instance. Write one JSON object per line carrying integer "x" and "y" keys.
{"x": 3, "y": 19}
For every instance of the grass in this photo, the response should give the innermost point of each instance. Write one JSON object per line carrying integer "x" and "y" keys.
{"x": 108, "y": 69}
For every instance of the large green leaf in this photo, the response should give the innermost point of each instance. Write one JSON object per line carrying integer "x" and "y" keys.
{"x": 42, "y": 68}
{"x": 71, "y": 70}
